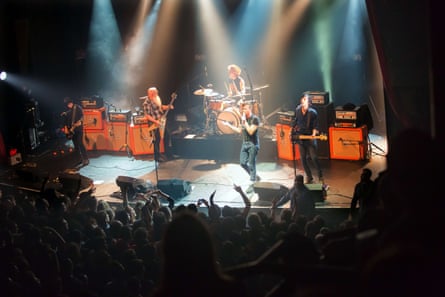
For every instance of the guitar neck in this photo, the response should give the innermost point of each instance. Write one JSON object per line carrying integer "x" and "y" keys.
{"x": 305, "y": 137}
{"x": 173, "y": 98}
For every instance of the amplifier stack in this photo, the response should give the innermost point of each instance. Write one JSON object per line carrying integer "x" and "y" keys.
{"x": 115, "y": 130}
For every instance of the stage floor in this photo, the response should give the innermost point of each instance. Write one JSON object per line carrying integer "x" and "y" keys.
{"x": 208, "y": 174}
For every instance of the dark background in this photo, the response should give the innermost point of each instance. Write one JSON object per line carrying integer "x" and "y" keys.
{"x": 45, "y": 41}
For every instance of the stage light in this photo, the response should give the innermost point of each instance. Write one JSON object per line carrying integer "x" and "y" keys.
{"x": 3, "y": 75}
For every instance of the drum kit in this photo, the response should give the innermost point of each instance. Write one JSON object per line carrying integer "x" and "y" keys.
{"x": 219, "y": 109}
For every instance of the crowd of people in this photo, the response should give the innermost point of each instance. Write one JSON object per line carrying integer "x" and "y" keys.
{"x": 57, "y": 245}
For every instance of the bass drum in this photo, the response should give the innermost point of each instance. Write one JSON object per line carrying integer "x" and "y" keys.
{"x": 231, "y": 116}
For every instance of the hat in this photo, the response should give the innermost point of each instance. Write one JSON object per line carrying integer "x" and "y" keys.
{"x": 235, "y": 68}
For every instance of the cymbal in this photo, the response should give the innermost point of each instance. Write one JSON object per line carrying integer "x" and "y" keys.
{"x": 260, "y": 88}
{"x": 213, "y": 94}
{"x": 143, "y": 97}
{"x": 202, "y": 92}
{"x": 238, "y": 96}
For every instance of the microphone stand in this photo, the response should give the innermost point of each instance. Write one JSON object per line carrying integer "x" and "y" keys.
{"x": 260, "y": 103}
{"x": 156, "y": 157}
{"x": 250, "y": 83}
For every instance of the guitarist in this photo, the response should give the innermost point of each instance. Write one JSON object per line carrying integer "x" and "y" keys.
{"x": 306, "y": 123}
{"x": 73, "y": 128}
{"x": 154, "y": 111}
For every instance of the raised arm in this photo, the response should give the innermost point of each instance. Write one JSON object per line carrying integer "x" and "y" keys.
{"x": 246, "y": 200}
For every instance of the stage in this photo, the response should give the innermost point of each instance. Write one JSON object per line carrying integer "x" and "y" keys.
{"x": 205, "y": 164}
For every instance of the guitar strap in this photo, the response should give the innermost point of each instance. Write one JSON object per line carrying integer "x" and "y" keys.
{"x": 73, "y": 116}
{"x": 308, "y": 119}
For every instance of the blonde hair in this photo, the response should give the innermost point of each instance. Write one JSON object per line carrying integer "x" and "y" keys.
{"x": 235, "y": 68}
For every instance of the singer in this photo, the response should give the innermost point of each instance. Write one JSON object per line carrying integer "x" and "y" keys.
{"x": 251, "y": 141}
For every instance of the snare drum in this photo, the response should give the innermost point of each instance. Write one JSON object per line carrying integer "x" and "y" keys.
{"x": 216, "y": 104}
{"x": 230, "y": 115}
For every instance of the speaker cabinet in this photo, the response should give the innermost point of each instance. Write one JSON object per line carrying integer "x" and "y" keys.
{"x": 96, "y": 140}
{"x": 93, "y": 119}
{"x": 130, "y": 186}
{"x": 141, "y": 140}
{"x": 284, "y": 143}
{"x": 268, "y": 191}
{"x": 317, "y": 192}
{"x": 176, "y": 188}
{"x": 348, "y": 143}
{"x": 326, "y": 119}
{"x": 70, "y": 184}
{"x": 118, "y": 134}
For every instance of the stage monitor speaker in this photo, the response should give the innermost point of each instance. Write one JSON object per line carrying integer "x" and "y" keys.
{"x": 70, "y": 184}
{"x": 176, "y": 188}
{"x": 130, "y": 186}
{"x": 284, "y": 143}
{"x": 318, "y": 192}
{"x": 349, "y": 143}
{"x": 93, "y": 119}
{"x": 141, "y": 140}
{"x": 96, "y": 140}
{"x": 326, "y": 119}
{"x": 268, "y": 191}
{"x": 117, "y": 133}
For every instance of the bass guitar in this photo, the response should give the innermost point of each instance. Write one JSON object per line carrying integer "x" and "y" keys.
{"x": 296, "y": 137}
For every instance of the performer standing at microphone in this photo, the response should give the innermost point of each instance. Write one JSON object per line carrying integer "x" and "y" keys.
{"x": 251, "y": 141}
{"x": 153, "y": 111}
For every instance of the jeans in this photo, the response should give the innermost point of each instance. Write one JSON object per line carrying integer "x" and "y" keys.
{"x": 308, "y": 148}
{"x": 248, "y": 154}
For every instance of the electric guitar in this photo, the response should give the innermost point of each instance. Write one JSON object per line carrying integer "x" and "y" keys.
{"x": 163, "y": 119}
{"x": 69, "y": 131}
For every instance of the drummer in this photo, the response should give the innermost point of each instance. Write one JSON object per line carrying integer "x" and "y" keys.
{"x": 235, "y": 83}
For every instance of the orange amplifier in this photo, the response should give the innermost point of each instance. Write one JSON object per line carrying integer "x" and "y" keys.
{"x": 141, "y": 140}
{"x": 348, "y": 143}
{"x": 139, "y": 120}
{"x": 119, "y": 116}
{"x": 286, "y": 117}
{"x": 96, "y": 140}
{"x": 93, "y": 119}
{"x": 93, "y": 102}
{"x": 284, "y": 143}
{"x": 317, "y": 97}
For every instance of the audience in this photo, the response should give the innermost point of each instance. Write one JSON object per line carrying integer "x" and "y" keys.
{"x": 55, "y": 245}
